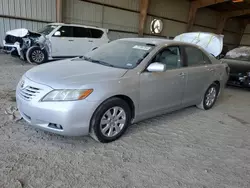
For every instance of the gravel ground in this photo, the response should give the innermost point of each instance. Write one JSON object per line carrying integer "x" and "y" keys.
{"x": 188, "y": 148}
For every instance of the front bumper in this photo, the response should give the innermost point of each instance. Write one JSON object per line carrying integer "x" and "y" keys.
{"x": 73, "y": 116}
{"x": 13, "y": 49}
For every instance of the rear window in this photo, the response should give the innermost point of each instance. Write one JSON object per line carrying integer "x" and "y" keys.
{"x": 96, "y": 33}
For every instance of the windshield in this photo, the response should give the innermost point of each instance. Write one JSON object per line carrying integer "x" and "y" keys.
{"x": 120, "y": 54}
{"x": 47, "y": 29}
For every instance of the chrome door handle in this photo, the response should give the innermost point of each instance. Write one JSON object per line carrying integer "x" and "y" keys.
{"x": 71, "y": 40}
{"x": 212, "y": 70}
{"x": 90, "y": 40}
{"x": 182, "y": 74}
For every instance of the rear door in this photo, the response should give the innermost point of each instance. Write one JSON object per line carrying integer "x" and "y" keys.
{"x": 200, "y": 74}
{"x": 82, "y": 42}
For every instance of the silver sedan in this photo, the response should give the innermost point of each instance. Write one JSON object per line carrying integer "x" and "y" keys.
{"x": 120, "y": 83}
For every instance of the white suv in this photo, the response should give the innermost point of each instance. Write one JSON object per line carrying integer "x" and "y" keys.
{"x": 54, "y": 41}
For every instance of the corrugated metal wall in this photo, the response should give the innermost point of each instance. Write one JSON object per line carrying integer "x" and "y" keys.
{"x": 82, "y": 12}
{"x": 30, "y": 14}
{"x": 122, "y": 17}
{"x": 245, "y": 41}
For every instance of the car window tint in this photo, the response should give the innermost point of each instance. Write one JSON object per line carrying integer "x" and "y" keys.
{"x": 170, "y": 57}
{"x": 65, "y": 31}
{"x": 96, "y": 33}
{"x": 80, "y": 32}
{"x": 206, "y": 59}
{"x": 194, "y": 56}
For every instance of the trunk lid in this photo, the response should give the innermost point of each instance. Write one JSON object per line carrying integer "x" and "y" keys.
{"x": 210, "y": 42}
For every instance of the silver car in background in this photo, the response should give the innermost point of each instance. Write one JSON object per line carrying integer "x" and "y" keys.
{"x": 120, "y": 83}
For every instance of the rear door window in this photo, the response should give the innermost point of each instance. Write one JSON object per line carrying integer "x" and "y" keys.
{"x": 194, "y": 56}
{"x": 206, "y": 59}
{"x": 81, "y": 32}
{"x": 96, "y": 33}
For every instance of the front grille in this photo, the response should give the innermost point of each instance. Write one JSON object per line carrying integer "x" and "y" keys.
{"x": 9, "y": 39}
{"x": 7, "y": 48}
{"x": 29, "y": 92}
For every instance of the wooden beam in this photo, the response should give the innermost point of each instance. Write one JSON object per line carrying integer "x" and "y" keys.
{"x": 243, "y": 25}
{"x": 59, "y": 11}
{"x": 221, "y": 24}
{"x": 205, "y": 3}
{"x": 191, "y": 15}
{"x": 194, "y": 6}
{"x": 237, "y": 13}
{"x": 143, "y": 16}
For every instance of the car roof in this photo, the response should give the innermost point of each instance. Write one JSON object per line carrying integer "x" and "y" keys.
{"x": 158, "y": 41}
{"x": 77, "y": 25}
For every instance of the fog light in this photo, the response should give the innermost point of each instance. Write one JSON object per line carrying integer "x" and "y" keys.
{"x": 55, "y": 126}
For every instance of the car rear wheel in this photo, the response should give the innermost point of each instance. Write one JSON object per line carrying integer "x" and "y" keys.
{"x": 210, "y": 97}
{"x": 110, "y": 120}
{"x": 36, "y": 55}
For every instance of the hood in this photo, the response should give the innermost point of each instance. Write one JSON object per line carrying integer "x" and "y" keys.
{"x": 72, "y": 73}
{"x": 210, "y": 42}
{"x": 21, "y": 32}
{"x": 18, "y": 32}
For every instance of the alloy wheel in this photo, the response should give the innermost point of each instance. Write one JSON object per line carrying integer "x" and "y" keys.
{"x": 210, "y": 96}
{"x": 113, "y": 121}
{"x": 37, "y": 56}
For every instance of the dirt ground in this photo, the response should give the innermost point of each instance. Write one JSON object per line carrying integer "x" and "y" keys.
{"x": 188, "y": 148}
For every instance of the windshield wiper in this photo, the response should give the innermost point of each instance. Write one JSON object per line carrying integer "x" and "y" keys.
{"x": 102, "y": 63}
{"x": 96, "y": 61}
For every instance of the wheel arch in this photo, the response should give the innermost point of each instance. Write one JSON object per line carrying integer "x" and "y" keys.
{"x": 217, "y": 82}
{"x": 126, "y": 98}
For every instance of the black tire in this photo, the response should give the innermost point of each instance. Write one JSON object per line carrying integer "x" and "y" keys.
{"x": 95, "y": 126}
{"x": 36, "y": 50}
{"x": 203, "y": 105}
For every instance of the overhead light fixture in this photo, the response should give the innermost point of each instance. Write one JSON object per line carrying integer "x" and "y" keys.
{"x": 237, "y": 1}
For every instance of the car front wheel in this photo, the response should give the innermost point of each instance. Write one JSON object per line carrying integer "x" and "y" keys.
{"x": 36, "y": 55}
{"x": 210, "y": 97}
{"x": 110, "y": 120}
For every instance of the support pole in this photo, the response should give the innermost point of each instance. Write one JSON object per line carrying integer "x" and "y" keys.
{"x": 143, "y": 16}
{"x": 59, "y": 11}
{"x": 221, "y": 24}
{"x": 191, "y": 16}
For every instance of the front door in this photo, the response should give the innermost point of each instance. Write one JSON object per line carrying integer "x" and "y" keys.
{"x": 62, "y": 42}
{"x": 163, "y": 91}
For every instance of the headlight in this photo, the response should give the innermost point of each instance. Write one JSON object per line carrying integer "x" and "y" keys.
{"x": 67, "y": 95}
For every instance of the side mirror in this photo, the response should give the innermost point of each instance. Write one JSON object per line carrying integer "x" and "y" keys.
{"x": 57, "y": 34}
{"x": 156, "y": 67}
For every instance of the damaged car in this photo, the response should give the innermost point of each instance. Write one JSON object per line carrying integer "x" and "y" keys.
{"x": 238, "y": 60}
{"x": 122, "y": 82}
{"x": 54, "y": 41}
